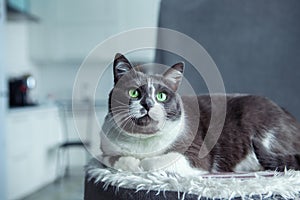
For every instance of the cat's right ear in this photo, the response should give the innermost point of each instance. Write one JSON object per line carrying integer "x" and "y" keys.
{"x": 121, "y": 66}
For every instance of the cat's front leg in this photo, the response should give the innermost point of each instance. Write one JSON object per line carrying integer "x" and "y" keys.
{"x": 123, "y": 163}
{"x": 171, "y": 162}
{"x": 128, "y": 163}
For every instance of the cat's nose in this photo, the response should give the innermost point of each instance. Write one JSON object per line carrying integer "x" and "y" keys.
{"x": 147, "y": 103}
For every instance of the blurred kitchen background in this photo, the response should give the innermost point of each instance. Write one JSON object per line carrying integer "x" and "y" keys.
{"x": 255, "y": 44}
{"x": 42, "y": 45}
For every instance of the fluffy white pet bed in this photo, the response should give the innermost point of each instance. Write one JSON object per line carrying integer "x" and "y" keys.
{"x": 159, "y": 185}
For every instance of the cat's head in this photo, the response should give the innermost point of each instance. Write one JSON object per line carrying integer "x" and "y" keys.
{"x": 144, "y": 104}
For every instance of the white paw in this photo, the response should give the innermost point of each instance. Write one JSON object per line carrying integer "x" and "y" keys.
{"x": 148, "y": 164}
{"x": 162, "y": 162}
{"x": 128, "y": 163}
{"x": 171, "y": 162}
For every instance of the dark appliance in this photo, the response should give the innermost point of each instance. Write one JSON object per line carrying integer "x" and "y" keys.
{"x": 19, "y": 88}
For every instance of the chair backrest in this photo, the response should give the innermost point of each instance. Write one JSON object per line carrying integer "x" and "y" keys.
{"x": 255, "y": 44}
{"x": 83, "y": 128}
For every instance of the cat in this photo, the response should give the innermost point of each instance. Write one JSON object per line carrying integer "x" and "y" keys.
{"x": 149, "y": 126}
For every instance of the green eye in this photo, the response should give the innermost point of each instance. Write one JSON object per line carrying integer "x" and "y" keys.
{"x": 134, "y": 93}
{"x": 161, "y": 96}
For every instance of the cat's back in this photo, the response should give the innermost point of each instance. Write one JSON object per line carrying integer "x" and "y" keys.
{"x": 250, "y": 107}
{"x": 246, "y": 111}
{"x": 247, "y": 117}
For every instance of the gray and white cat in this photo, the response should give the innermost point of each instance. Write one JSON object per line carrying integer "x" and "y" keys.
{"x": 149, "y": 126}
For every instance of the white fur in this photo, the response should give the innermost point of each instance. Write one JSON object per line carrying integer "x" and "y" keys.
{"x": 157, "y": 113}
{"x": 136, "y": 145}
{"x": 107, "y": 147}
{"x": 134, "y": 109}
{"x": 128, "y": 163}
{"x": 269, "y": 139}
{"x": 250, "y": 163}
{"x": 151, "y": 87}
{"x": 286, "y": 184}
{"x": 172, "y": 162}
{"x": 215, "y": 167}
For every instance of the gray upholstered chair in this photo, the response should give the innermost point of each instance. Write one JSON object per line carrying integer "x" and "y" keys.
{"x": 255, "y": 44}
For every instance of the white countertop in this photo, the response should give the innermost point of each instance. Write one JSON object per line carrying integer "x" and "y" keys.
{"x": 37, "y": 108}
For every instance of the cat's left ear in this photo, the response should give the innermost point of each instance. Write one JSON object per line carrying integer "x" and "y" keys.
{"x": 174, "y": 75}
{"x": 121, "y": 66}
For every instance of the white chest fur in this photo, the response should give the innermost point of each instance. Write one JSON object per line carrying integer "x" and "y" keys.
{"x": 139, "y": 145}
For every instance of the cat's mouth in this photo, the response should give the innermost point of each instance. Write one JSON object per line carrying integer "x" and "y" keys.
{"x": 144, "y": 125}
{"x": 144, "y": 121}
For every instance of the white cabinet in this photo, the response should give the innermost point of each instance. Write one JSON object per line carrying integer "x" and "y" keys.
{"x": 69, "y": 29}
{"x": 32, "y": 138}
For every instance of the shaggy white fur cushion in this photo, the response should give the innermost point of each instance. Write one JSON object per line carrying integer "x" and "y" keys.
{"x": 262, "y": 184}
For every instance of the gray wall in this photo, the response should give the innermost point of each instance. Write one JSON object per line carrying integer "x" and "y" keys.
{"x": 255, "y": 44}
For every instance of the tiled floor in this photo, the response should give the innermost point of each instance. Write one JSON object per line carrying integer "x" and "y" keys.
{"x": 68, "y": 188}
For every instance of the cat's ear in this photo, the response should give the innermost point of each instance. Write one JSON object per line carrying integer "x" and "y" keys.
{"x": 121, "y": 66}
{"x": 174, "y": 75}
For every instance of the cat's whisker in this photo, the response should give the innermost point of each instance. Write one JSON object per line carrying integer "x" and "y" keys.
{"x": 120, "y": 106}
{"x": 119, "y": 110}
{"x": 116, "y": 114}
{"x": 125, "y": 122}
{"x": 118, "y": 102}
{"x": 119, "y": 122}
{"x": 116, "y": 111}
